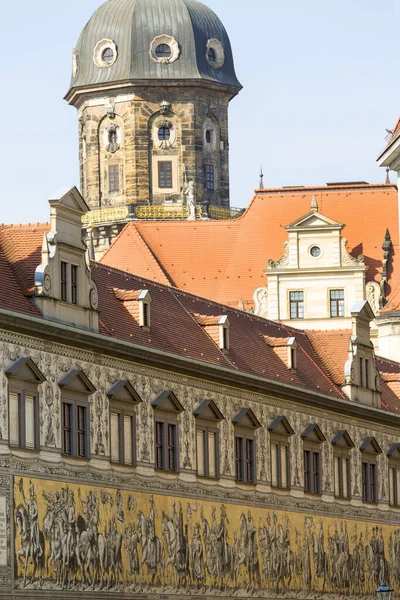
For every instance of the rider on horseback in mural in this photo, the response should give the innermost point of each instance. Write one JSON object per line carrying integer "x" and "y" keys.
{"x": 33, "y": 518}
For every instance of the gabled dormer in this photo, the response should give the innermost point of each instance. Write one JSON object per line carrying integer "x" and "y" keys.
{"x": 362, "y": 379}
{"x": 64, "y": 289}
{"x": 316, "y": 280}
{"x": 217, "y": 327}
{"x": 138, "y": 303}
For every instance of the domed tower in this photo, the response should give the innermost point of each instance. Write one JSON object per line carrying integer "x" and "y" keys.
{"x": 152, "y": 81}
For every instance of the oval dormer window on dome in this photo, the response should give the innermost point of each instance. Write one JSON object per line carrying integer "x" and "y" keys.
{"x": 164, "y": 49}
{"x": 105, "y": 54}
{"x": 215, "y": 54}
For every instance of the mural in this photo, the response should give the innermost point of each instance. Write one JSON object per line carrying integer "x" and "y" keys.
{"x": 91, "y": 538}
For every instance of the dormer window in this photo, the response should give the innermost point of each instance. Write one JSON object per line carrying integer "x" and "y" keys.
{"x": 74, "y": 284}
{"x": 23, "y": 404}
{"x": 163, "y": 51}
{"x": 212, "y": 57}
{"x": 292, "y": 353}
{"x": 64, "y": 281}
{"x": 364, "y": 372}
{"x": 144, "y": 300}
{"x": 224, "y": 340}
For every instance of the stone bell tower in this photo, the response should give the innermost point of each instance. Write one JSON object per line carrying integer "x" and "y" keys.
{"x": 152, "y": 81}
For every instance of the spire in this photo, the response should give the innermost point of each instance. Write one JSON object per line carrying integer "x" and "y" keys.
{"x": 387, "y": 175}
{"x": 261, "y": 186}
{"x": 314, "y": 204}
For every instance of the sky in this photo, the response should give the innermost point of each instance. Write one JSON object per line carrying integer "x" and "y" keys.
{"x": 320, "y": 88}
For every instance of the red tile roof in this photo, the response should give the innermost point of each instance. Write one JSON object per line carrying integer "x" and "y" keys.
{"x": 225, "y": 260}
{"x": 175, "y": 328}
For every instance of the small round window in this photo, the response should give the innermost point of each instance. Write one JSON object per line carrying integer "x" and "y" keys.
{"x": 164, "y": 134}
{"x": 108, "y": 55}
{"x": 212, "y": 57}
{"x": 163, "y": 51}
{"x": 315, "y": 251}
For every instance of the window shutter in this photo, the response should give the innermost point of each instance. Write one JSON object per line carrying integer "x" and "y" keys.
{"x": 397, "y": 486}
{"x": 67, "y": 428}
{"x": 274, "y": 465}
{"x": 249, "y": 461}
{"x": 30, "y": 422}
{"x": 159, "y": 445}
{"x": 239, "y": 473}
{"x": 337, "y": 476}
{"x": 81, "y": 450}
{"x": 171, "y": 447}
{"x": 284, "y": 466}
{"x": 307, "y": 470}
{"x": 14, "y": 419}
{"x": 345, "y": 467}
{"x": 128, "y": 445}
{"x": 115, "y": 437}
{"x": 212, "y": 465}
{"x": 200, "y": 452}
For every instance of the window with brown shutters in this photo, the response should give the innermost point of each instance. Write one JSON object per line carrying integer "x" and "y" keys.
{"x": 67, "y": 432}
{"x": 64, "y": 281}
{"x": 369, "y": 482}
{"x": 74, "y": 284}
{"x": 81, "y": 431}
{"x": 171, "y": 447}
{"x": 312, "y": 471}
{"x": 159, "y": 445}
{"x": 245, "y": 459}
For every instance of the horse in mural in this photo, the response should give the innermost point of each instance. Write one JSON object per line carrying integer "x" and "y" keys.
{"x": 152, "y": 547}
{"x": 29, "y": 550}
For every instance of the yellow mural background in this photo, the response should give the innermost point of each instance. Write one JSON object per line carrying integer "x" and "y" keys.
{"x": 164, "y": 504}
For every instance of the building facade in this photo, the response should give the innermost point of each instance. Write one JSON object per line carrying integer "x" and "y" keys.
{"x": 156, "y": 443}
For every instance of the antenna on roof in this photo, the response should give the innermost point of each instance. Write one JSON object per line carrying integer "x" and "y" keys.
{"x": 314, "y": 204}
{"x": 261, "y": 186}
{"x": 387, "y": 175}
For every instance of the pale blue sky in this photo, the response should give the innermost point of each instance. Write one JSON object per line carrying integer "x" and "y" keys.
{"x": 320, "y": 87}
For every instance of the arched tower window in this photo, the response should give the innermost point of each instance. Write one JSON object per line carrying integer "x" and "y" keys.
{"x": 163, "y": 51}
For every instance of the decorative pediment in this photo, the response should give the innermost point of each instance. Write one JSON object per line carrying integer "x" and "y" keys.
{"x": 246, "y": 418}
{"x": 281, "y": 426}
{"x": 314, "y": 220}
{"x": 343, "y": 440}
{"x": 394, "y": 451}
{"x": 25, "y": 369}
{"x": 371, "y": 446}
{"x": 167, "y": 400}
{"x": 313, "y": 433}
{"x": 209, "y": 410}
{"x": 124, "y": 392}
{"x": 77, "y": 381}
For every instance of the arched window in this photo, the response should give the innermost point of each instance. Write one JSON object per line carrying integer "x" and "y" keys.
{"x": 163, "y": 51}
{"x": 164, "y": 133}
{"x": 108, "y": 55}
{"x": 212, "y": 57}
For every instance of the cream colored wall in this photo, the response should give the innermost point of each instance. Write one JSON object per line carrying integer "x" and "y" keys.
{"x": 316, "y": 286}
{"x": 389, "y": 338}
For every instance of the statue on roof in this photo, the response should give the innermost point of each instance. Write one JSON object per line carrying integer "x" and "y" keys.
{"x": 190, "y": 194}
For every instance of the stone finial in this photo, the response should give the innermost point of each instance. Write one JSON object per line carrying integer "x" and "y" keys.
{"x": 261, "y": 186}
{"x": 387, "y": 176}
{"x": 314, "y": 204}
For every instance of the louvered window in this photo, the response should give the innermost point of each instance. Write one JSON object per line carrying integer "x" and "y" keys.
{"x": 67, "y": 432}
{"x": 166, "y": 446}
{"x": 279, "y": 464}
{"x": 342, "y": 476}
{"x": 244, "y": 459}
{"x": 64, "y": 281}
{"x": 369, "y": 482}
{"x": 23, "y": 413}
{"x": 207, "y": 452}
{"x": 394, "y": 484}
{"x": 81, "y": 431}
{"x": 312, "y": 471}
{"x": 74, "y": 284}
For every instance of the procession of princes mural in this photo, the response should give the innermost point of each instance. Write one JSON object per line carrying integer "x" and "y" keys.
{"x": 83, "y": 538}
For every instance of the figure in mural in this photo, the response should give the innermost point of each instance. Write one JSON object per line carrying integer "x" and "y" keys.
{"x": 32, "y": 539}
{"x": 114, "y": 545}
